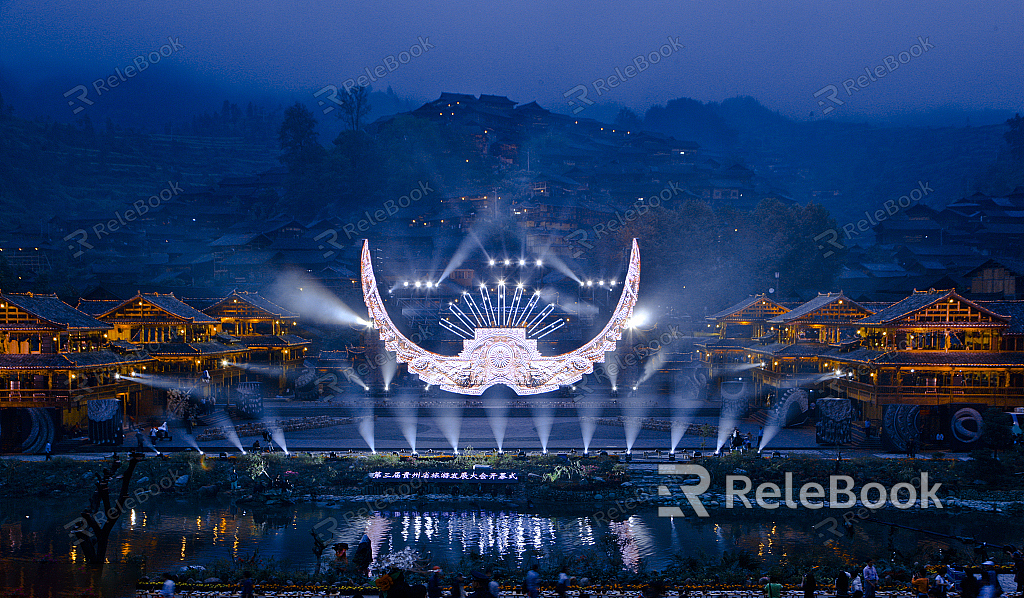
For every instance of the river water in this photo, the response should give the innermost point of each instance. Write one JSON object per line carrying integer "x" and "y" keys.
{"x": 172, "y": 533}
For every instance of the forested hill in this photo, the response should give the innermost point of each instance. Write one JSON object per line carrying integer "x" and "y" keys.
{"x": 848, "y": 167}
{"x": 49, "y": 168}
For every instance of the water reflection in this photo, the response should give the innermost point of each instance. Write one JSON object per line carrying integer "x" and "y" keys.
{"x": 174, "y": 533}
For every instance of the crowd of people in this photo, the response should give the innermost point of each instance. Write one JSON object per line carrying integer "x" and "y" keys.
{"x": 968, "y": 582}
{"x": 863, "y": 582}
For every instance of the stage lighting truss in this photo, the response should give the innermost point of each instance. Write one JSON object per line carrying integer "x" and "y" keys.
{"x": 500, "y": 342}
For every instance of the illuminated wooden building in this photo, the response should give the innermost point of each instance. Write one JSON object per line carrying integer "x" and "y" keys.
{"x": 790, "y": 351}
{"x": 184, "y": 342}
{"x": 737, "y": 329}
{"x": 933, "y": 348}
{"x": 54, "y": 359}
{"x": 263, "y": 328}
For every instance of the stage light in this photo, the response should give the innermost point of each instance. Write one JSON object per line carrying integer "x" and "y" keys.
{"x": 490, "y": 263}
{"x": 522, "y": 262}
{"x": 590, "y": 283}
{"x": 405, "y": 283}
{"x": 540, "y": 263}
{"x": 418, "y": 284}
{"x": 508, "y": 262}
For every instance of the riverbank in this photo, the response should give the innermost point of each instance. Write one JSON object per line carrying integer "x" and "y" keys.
{"x": 982, "y": 484}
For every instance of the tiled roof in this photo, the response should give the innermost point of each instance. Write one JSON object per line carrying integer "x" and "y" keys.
{"x": 1013, "y": 309}
{"x": 173, "y": 305}
{"x": 167, "y": 302}
{"x": 739, "y": 307}
{"x": 67, "y": 361}
{"x": 258, "y": 301}
{"x": 918, "y": 300}
{"x": 812, "y": 305}
{"x": 51, "y": 309}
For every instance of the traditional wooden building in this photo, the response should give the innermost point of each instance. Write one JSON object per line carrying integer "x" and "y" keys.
{"x": 54, "y": 359}
{"x": 263, "y": 328}
{"x": 828, "y": 318}
{"x": 187, "y": 345}
{"x": 928, "y": 366}
{"x": 726, "y": 355}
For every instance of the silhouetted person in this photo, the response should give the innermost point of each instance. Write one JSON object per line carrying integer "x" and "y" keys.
{"x": 809, "y": 585}
{"x": 247, "y": 585}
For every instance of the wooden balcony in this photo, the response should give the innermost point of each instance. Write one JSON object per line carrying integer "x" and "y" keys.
{"x": 928, "y": 395}
{"x": 61, "y": 398}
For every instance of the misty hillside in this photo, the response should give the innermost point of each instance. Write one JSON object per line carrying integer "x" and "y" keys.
{"x": 847, "y": 167}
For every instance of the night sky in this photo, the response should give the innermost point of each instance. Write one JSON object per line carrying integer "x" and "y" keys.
{"x": 779, "y": 53}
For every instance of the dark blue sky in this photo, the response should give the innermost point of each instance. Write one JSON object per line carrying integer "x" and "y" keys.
{"x": 780, "y": 53}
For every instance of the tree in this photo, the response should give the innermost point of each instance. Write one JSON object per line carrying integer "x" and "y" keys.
{"x": 996, "y": 430}
{"x": 298, "y": 139}
{"x": 627, "y": 119}
{"x": 1015, "y": 136}
{"x": 355, "y": 105}
{"x": 92, "y": 535}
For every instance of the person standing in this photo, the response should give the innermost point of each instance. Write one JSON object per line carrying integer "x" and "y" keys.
{"x": 481, "y": 585}
{"x": 870, "y": 579}
{"x": 842, "y": 584}
{"x": 492, "y": 584}
{"x": 970, "y": 587}
{"x": 562, "y": 586}
{"x": 773, "y": 589}
{"x": 434, "y": 583}
{"x": 49, "y": 451}
{"x": 990, "y": 587}
{"x": 247, "y": 585}
{"x": 138, "y": 438}
{"x": 457, "y": 590}
{"x": 809, "y": 585}
{"x": 1018, "y": 565}
{"x": 920, "y": 584}
{"x": 939, "y": 583}
{"x": 364, "y": 554}
{"x": 167, "y": 591}
{"x": 532, "y": 582}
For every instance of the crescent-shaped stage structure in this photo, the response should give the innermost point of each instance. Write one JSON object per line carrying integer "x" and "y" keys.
{"x": 499, "y": 351}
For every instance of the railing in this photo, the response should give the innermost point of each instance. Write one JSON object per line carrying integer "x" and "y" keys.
{"x": 61, "y": 396}
{"x": 925, "y": 394}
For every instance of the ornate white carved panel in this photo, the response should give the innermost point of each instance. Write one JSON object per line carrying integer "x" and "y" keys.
{"x": 500, "y": 355}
